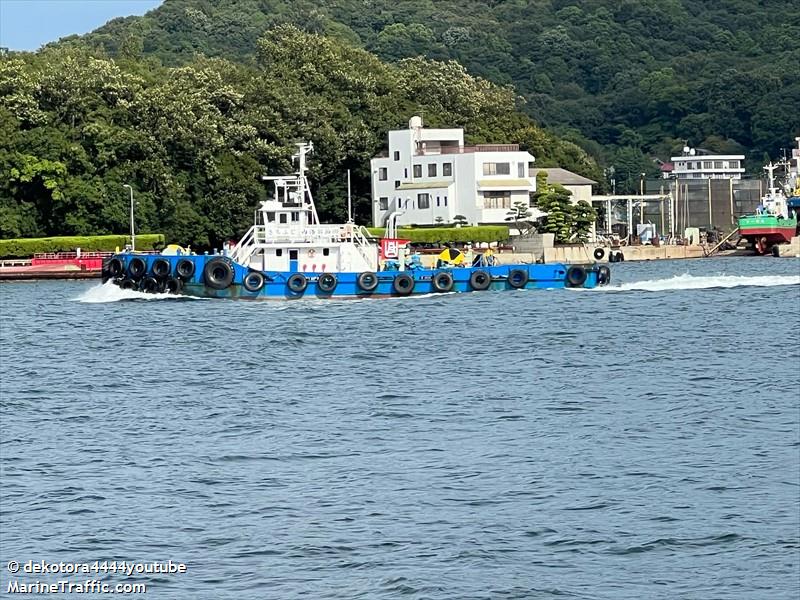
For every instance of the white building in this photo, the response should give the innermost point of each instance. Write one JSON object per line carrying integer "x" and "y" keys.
{"x": 429, "y": 174}
{"x": 696, "y": 165}
{"x": 580, "y": 186}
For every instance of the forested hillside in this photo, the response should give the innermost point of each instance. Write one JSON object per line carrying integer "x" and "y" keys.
{"x": 626, "y": 79}
{"x": 193, "y": 140}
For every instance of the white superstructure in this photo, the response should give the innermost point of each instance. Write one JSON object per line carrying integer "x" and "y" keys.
{"x": 429, "y": 176}
{"x": 287, "y": 234}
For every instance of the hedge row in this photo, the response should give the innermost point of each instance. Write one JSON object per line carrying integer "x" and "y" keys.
{"x": 23, "y": 248}
{"x": 481, "y": 233}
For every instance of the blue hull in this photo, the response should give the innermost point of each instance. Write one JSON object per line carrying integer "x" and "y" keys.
{"x": 276, "y": 284}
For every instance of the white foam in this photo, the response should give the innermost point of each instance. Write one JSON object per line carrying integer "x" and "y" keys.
{"x": 690, "y": 282}
{"x": 109, "y": 292}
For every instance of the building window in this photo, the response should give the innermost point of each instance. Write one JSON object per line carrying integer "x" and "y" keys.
{"x": 444, "y": 200}
{"x": 409, "y": 204}
{"x": 432, "y": 170}
{"x": 689, "y": 166}
{"x": 438, "y": 201}
{"x": 405, "y": 173}
{"x": 270, "y": 217}
{"x": 717, "y": 164}
{"x": 396, "y": 155}
{"x": 423, "y": 201}
{"x": 282, "y": 217}
{"x": 521, "y": 170}
{"x": 707, "y": 164}
{"x": 447, "y": 169}
{"x": 497, "y": 168}
{"x": 417, "y": 170}
{"x": 383, "y": 174}
{"x": 383, "y": 204}
{"x": 497, "y": 200}
{"x": 326, "y": 252}
{"x": 734, "y": 164}
{"x": 295, "y": 217}
{"x": 396, "y": 183}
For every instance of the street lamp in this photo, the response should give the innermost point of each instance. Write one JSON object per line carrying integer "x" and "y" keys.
{"x": 133, "y": 233}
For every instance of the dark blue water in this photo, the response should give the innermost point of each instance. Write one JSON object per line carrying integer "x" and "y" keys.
{"x": 640, "y": 442}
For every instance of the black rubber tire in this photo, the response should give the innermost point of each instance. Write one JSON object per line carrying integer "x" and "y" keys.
{"x": 480, "y": 280}
{"x": 517, "y": 278}
{"x": 185, "y": 268}
{"x": 599, "y": 253}
{"x": 612, "y": 257}
{"x": 297, "y": 283}
{"x": 128, "y": 284}
{"x": 137, "y": 267}
{"x": 620, "y": 257}
{"x": 576, "y": 276}
{"x": 161, "y": 269}
{"x": 367, "y": 281}
{"x": 327, "y": 282}
{"x": 115, "y": 267}
{"x": 442, "y": 282}
{"x": 776, "y": 252}
{"x": 603, "y": 275}
{"x": 218, "y": 274}
{"x": 253, "y": 281}
{"x": 172, "y": 285}
{"x": 403, "y": 284}
{"x": 149, "y": 285}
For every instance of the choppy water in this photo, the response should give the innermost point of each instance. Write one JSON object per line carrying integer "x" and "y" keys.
{"x": 637, "y": 442}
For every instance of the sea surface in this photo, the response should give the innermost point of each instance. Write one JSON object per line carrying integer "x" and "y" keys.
{"x": 641, "y": 441}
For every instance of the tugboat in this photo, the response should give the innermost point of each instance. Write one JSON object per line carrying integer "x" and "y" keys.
{"x": 289, "y": 254}
{"x": 775, "y": 221}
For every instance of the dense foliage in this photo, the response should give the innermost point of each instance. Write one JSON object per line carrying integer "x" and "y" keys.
{"x": 627, "y": 80}
{"x": 567, "y": 221}
{"x": 22, "y": 248}
{"x": 193, "y": 140}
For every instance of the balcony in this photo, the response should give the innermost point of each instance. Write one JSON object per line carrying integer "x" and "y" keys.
{"x": 467, "y": 149}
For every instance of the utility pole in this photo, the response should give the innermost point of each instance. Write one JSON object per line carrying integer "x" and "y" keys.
{"x": 133, "y": 233}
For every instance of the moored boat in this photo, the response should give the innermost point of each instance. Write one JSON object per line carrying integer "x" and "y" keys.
{"x": 775, "y": 221}
{"x": 289, "y": 254}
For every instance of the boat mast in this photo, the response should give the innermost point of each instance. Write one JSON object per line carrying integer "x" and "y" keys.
{"x": 304, "y": 148}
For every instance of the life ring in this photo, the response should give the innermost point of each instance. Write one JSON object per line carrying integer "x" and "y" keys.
{"x": 137, "y": 267}
{"x": 576, "y": 276}
{"x": 297, "y": 283}
{"x": 480, "y": 280}
{"x": 149, "y": 285}
{"x": 599, "y": 253}
{"x": 218, "y": 274}
{"x": 403, "y": 284}
{"x": 185, "y": 268}
{"x": 517, "y": 278}
{"x": 442, "y": 282}
{"x": 115, "y": 267}
{"x": 161, "y": 268}
{"x": 253, "y": 281}
{"x": 367, "y": 281}
{"x": 327, "y": 282}
{"x": 172, "y": 285}
{"x": 128, "y": 284}
{"x": 603, "y": 275}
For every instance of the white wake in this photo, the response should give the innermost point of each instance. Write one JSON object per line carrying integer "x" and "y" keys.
{"x": 108, "y": 292}
{"x": 690, "y": 282}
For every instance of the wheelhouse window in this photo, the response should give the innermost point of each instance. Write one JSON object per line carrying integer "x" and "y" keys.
{"x": 432, "y": 170}
{"x": 423, "y": 201}
{"x": 447, "y": 169}
{"x": 417, "y": 170}
{"x": 496, "y": 168}
{"x": 383, "y": 204}
{"x": 326, "y": 251}
{"x": 497, "y": 200}
{"x": 383, "y": 174}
